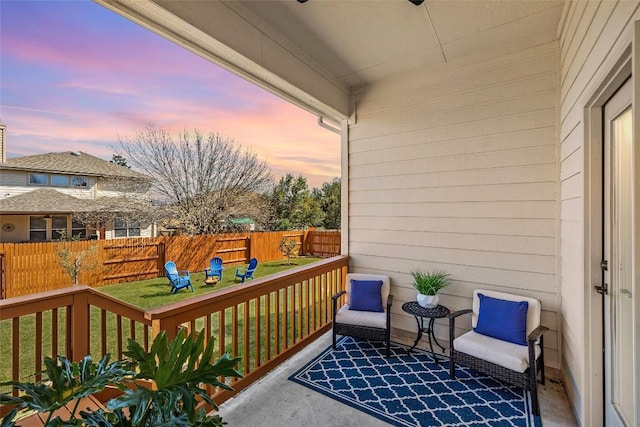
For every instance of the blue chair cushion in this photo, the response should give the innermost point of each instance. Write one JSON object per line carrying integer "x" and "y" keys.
{"x": 502, "y": 319}
{"x": 366, "y": 295}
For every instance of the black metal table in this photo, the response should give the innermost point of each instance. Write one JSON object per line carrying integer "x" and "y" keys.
{"x": 420, "y": 314}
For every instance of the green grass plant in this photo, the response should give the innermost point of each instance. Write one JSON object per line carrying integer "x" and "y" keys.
{"x": 152, "y": 293}
{"x": 145, "y": 294}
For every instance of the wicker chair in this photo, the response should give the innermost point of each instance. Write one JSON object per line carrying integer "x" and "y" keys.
{"x": 370, "y": 325}
{"x": 512, "y": 363}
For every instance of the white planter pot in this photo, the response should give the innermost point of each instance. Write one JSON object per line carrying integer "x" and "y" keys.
{"x": 428, "y": 301}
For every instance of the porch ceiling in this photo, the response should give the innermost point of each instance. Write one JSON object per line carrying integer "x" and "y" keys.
{"x": 315, "y": 53}
{"x": 362, "y": 41}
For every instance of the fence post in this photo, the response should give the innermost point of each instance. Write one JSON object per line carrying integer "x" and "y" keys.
{"x": 252, "y": 246}
{"x": 79, "y": 325}
{"x": 304, "y": 247}
{"x": 161, "y": 258}
{"x": 9, "y": 285}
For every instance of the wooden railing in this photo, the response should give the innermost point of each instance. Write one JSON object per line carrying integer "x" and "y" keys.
{"x": 263, "y": 322}
{"x": 30, "y": 268}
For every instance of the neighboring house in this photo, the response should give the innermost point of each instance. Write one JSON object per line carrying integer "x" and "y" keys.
{"x": 39, "y": 195}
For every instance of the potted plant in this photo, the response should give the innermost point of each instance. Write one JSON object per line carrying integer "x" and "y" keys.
{"x": 428, "y": 283}
{"x": 178, "y": 370}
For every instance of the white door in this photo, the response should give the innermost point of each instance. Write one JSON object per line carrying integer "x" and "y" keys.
{"x": 618, "y": 273}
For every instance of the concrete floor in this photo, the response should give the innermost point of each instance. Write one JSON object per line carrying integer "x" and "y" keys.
{"x": 276, "y": 401}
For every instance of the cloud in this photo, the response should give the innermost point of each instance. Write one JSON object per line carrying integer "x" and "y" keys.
{"x": 79, "y": 77}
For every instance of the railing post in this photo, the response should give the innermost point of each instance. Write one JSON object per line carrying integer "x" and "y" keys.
{"x": 79, "y": 325}
{"x": 167, "y": 325}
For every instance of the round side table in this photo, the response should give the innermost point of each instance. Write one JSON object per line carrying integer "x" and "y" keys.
{"x": 420, "y": 314}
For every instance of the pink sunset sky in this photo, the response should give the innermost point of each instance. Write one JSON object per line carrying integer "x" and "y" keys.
{"x": 76, "y": 76}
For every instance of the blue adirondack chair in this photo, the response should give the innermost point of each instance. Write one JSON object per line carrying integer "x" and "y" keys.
{"x": 215, "y": 269}
{"x": 248, "y": 273}
{"x": 177, "y": 278}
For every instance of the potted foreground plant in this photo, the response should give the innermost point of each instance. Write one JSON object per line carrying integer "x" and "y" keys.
{"x": 428, "y": 283}
{"x": 178, "y": 370}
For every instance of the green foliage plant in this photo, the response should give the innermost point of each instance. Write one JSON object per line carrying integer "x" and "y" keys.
{"x": 178, "y": 370}
{"x": 328, "y": 198}
{"x": 430, "y": 282}
{"x": 289, "y": 248}
{"x": 293, "y": 205}
{"x": 64, "y": 383}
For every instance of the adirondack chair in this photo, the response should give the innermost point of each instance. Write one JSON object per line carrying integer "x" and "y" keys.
{"x": 215, "y": 269}
{"x": 248, "y": 272}
{"x": 177, "y": 278}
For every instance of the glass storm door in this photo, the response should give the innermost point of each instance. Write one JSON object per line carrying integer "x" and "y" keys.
{"x": 618, "y": 245}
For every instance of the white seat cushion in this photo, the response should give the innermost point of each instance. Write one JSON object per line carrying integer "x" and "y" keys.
{"x": 508, "y": 355}
{"x": 361, "y": 318}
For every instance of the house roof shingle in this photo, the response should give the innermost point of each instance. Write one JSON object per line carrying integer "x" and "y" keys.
{"x": 43, "y": 201}
{"x": 72, "y": 162}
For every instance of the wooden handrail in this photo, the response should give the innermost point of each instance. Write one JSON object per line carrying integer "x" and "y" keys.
{"x": 224, "y": 298}
{"x": 290, "y": 308}
{"x": 29, "y": 304}
{"x": 116, "y": 306}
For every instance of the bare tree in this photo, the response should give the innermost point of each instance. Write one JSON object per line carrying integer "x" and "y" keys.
{"x": 74, "y": 261}
{"x": 289, "y": 248}
{"x": 201, "y": 180}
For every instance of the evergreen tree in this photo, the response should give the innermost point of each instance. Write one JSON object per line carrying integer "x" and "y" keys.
{"x": 292, "y": 205}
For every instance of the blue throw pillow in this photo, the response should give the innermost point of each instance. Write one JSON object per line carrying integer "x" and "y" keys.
{"x": 366, "y": 295}
{"x": 502, "y": 319}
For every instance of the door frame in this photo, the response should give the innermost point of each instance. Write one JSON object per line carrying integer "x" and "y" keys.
{"x": 592, "y": 402}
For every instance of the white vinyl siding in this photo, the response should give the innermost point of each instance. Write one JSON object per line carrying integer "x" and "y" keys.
{"x": 591, "y": 36}
{"x": 455, "y": 167}
{"x": 17, "y": 182}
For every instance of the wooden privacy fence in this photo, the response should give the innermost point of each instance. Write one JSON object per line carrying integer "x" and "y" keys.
{"x": 29, "y": 268}
{"x": 263, "y": 322}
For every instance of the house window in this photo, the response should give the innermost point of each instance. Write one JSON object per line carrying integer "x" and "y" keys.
{"x": 37, "y": 229}
{"x": 79, "y": 181}
{"x": 78, "y": 230}
{"x": 122, "y": 228}
{"x": 38, "y": 179}
{"x": 58, "y": 227}
{"x": 59, "y": 180}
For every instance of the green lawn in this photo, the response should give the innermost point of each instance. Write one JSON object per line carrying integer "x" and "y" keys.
{"x": 152, "y": 293}
{"x": 145, "y": 294}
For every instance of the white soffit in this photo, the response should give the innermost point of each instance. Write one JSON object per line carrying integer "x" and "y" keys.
{"x": 363, "y": 41}
{"x": 312, "y": 53}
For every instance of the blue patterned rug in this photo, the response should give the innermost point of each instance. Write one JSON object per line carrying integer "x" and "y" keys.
{"x": 412, "y": 390}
